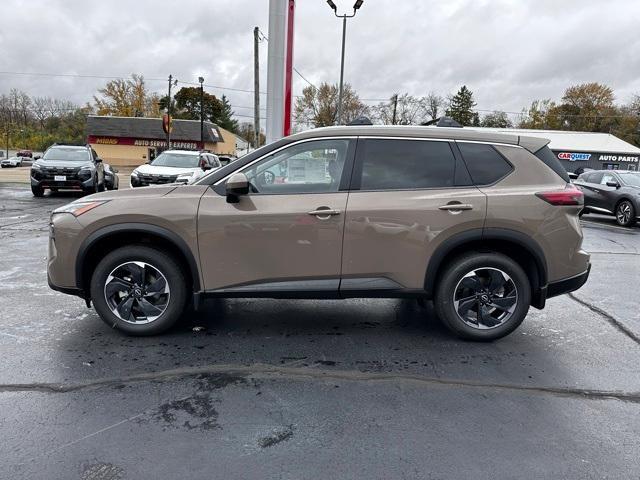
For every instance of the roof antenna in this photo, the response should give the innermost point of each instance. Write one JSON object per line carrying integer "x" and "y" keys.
{"x": 442, "y": 122}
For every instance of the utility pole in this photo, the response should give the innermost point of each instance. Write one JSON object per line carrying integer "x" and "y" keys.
{"x": 256, "y": 87}
{"x": 172, "y": 82}
{"x": 201, "y": 80}
{"x": 395, "y": 107}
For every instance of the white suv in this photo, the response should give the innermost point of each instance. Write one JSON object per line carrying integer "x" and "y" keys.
{"x": 174, "y": 166}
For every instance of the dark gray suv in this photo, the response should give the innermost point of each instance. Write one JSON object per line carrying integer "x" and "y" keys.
{"x": 70, "y": 167}
{"x": 612, "y": 193}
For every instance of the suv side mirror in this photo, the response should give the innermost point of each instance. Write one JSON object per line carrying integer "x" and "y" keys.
{"x": 613, "y": 184}
{"x": 98, "y": 160}
{"x": 204, "y": 165}
{"x": 238, "y": 184}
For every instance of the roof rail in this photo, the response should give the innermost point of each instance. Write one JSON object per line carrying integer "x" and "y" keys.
{"x": 443, "y": 122}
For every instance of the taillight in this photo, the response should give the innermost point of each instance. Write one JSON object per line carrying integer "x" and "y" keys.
{"x": 570, "y": 195}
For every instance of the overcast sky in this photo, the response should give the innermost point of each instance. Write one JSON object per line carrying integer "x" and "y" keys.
{"x": 507, "y": 52}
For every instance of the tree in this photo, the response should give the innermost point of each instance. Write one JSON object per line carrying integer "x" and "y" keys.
{"x": 461, "y": 107}
{"x": 318, "y": 107}
{"x": 434, "y": 104}
{"x": 586, "y": 107}
{"x": 186, "y": 105}
{"x": 127, "y": 98}
{"x": 225, "y": 117}
{"x": 247, "y": 131}
{"x": 496, "y": 120}
{"x": 400, "y": 110}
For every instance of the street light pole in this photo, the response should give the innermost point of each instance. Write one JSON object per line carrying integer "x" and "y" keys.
{"x": 356, "y": 7}
{"x": 201, "y": 80}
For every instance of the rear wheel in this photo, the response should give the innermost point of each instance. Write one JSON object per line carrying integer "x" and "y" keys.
{"x": 37, "y": 191}
{"x": 625, "y": 214}
{"x": 483, "y": 296}
{"x": 139, "y": 290}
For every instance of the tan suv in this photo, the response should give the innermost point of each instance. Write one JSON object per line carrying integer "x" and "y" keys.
{"x": 485, "y": 225}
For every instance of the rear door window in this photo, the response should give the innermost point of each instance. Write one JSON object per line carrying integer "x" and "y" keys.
{"x": 485, "y": 164}
{"x": 595, "y": 177}
{"x": 398, "y": 164}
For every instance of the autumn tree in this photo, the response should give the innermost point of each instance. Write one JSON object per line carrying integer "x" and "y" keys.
{"x": 127, "y": 98}
{"x": 247, "y": 131}
{"x": 402, "y": 109}
{"x": 319, "y": 106}
{"x": 461, "y": 107}
{"x": 496, "y": 120}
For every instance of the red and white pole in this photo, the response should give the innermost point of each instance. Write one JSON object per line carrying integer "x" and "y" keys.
{"x": 288, "y": 73}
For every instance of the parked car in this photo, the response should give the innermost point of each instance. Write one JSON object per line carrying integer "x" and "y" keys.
{"x": 171, "y": 166}
{"x": 67, "y": 167}
{"x": 11, "y": 162}
{"x": 25, "y": 153}
{"x": 111, "y": 180}
{"x": 485, "y": 225}
{"x": 612, "y": 192}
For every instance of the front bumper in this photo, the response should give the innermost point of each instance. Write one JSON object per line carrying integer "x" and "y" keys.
{"x": 75, "y": 184}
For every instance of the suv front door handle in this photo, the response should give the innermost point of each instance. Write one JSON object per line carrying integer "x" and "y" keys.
{"x": 324, "y": 213}
{"x": 456, "y": 206}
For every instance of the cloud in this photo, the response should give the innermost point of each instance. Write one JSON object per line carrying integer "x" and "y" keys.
{"x": 507, "y": 52}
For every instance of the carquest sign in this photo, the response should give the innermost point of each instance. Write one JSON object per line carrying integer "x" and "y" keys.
{"x": 574, "y": 157}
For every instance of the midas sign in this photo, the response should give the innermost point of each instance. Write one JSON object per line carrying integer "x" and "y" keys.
{"x": 573, "y": 157}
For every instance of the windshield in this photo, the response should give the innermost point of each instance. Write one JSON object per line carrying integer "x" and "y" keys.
{"x": 631, "y": 178}
{"x": 71, "y": 154}
{"x": 180, "y": 160}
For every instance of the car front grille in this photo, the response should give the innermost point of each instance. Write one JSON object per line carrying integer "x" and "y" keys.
{"x": 154, "y": 179}
{"x": 48, "y": 173}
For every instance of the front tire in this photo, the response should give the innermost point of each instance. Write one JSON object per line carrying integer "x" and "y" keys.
{"x": 37, "y": 191}
{"x": 625, "y": 214}
{"x": 139, "y": 290}
{"x": 483, "y": 296}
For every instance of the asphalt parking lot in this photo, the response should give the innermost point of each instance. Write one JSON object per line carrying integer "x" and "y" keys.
{"x": 372, "y": 389}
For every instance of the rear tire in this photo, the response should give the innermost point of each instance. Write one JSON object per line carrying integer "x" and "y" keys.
{"x": 625, "y": 214}
{"x": 139, "y": 290}
{"x": 37, "y": 191}
{"x": 482, "y": 296}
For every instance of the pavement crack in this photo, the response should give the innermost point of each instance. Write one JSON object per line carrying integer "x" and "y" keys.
{"x": 617, "y": 324}
{"x": 274, "y": 372}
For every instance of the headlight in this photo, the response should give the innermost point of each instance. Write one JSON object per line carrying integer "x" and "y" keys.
{"x": 184, "y": 178}
{"x": 77, "y": 208}
{"x": 35, "y": 166}
{"x": 85, "y": 168}
{"x": 134, "y": 173}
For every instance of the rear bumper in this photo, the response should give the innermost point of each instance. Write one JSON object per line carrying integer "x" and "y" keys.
{"x": 568, "y": 284}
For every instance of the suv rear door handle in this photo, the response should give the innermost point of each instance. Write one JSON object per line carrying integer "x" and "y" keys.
{"x": 323, "y": 213}
{"x": 456, "y": 206}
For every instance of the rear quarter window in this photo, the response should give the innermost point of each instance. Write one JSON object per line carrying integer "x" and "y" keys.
{"x": 550, "y": 160}
{"x": 486, "y": 166}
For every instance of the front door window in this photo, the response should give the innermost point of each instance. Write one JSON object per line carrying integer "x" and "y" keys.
{"x": 310, "y": 167}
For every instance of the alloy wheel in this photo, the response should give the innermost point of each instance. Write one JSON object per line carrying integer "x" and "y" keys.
{"x": 137, "y": 292}
{"x": 485, "y": 298}
{"x": 623, "y": 213}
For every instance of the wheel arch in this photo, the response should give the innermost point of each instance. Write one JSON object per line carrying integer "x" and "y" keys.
{"x": 519, "y": 247}
{"x": 94, "y": 247}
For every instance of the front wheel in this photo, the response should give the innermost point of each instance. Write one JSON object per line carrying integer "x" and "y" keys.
{"x": 625, "y": 214}
{"x": 483, "y": 296}
{"x": 139, "y": 290}
{"x": 37, "y": 191}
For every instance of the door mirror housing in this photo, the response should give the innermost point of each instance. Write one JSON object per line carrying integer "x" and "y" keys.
{"x": 204, "y": 165}
{"x": 238, "y": 184}
{"x": 98, "y": 160}
{"x": 613, "y": 184}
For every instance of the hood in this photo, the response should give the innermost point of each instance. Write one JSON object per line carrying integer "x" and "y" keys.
{"x": 154, "y": 170}
{"x": 62, "y": 163}
{"x": 141, "y": 192}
